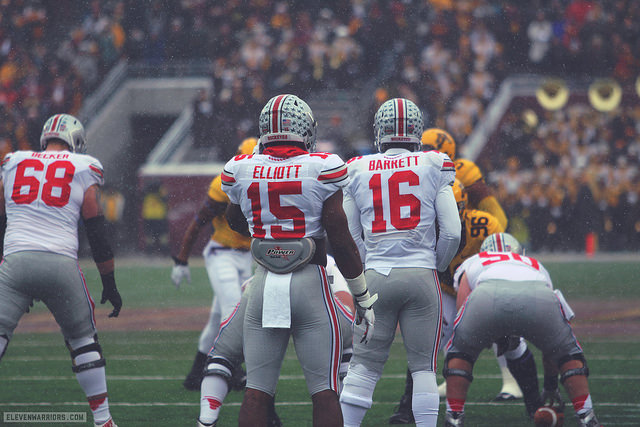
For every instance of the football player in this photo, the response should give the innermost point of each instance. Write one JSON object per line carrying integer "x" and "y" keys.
{"x": 289, "y": 198}
{"x": 226, "y": 354}
{"x": 480, "y": 194}
{"x": 395, "y": 199}
{"x": 42, "y": 197}
{"x": 495, "y": 291}
{"x": 476, "y": 226}
{"x": 480, "y": 197}
{"x": 228, "y": 264}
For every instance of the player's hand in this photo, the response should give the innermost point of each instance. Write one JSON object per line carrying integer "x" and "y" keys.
{"x": 180, "y": 272}
{"x": 364, "y": 312}
{"x": 552, "y": 398}
{"x": 110, "y": 293}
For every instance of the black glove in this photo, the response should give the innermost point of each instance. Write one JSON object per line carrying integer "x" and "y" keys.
{"x": 110, "y": 293}
{"x": 550, "y": 395}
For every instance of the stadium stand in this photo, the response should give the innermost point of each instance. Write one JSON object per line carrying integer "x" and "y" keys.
{"x": 451, "y": 58}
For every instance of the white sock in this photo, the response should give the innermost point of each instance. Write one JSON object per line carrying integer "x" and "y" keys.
{"x": 93, "y": 382}
{"x": 425, "y": 409}
{"x": 213, "y": 390}
{"x": 352, "y": 415}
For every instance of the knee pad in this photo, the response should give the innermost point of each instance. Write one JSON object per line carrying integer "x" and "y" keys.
{"x": 219, "y": 366}
{"x": 358, "y": 387}
{"x": 516, "y": 352}
{"x": 86, "y": 354}
{"x": 424, "y": 382}
{"x": 584, "y": 370}
{"x": 447, "y": 372}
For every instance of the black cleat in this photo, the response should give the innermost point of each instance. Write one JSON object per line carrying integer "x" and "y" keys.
{"x": 403, "y": 413}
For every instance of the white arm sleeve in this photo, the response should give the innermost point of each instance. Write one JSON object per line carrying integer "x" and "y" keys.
{"x": 449, "y": 227}
{"x": 355, "y": 226}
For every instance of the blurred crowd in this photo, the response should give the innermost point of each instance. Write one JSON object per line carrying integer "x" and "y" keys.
{"x": 447, "y": 56}
{"x": 570, "y": 173}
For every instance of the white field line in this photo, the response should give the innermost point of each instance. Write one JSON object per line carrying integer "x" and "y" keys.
{"x": 282, "y": 377}
{"x": 134, "y": 357}
{"x": 279, "y": 404}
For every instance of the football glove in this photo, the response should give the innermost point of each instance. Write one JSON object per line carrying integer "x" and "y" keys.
{"x": 110, "y": 293}
{"x": 364, "y": 312}
{"x": 180, "y": 272}
{"x": 553, "y": 399}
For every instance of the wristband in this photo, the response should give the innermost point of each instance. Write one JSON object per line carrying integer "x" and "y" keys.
{"x": 179, "y": 261}
{"x": 357, "y": 285}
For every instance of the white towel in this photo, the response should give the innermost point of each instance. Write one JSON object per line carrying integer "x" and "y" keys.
{"x": 276, "y": 306}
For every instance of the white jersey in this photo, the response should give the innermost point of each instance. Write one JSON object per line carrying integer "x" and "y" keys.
{"x": 282, "y": 198}
{"x": 390, "y": 199}
{"x": 43, "y": 193}
{"x": 501, "y": 266}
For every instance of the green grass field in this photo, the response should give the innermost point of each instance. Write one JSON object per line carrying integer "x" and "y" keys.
{"x": 145, "y": 368}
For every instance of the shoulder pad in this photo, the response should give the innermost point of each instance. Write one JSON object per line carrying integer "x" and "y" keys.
{"x": 467, "y": 172}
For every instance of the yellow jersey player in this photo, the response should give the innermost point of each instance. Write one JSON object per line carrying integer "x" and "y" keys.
{"x": 480, "y": 195}
{"x": 227, "y": 260}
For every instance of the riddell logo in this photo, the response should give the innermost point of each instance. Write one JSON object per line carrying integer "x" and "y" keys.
{"x": 278, "y": 252}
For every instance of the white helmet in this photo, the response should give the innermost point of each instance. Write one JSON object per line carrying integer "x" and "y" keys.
{"x": 66, "y": 128}
{"x": 287, "y": 118}
{"x": 398, "y": 121}
{"x": 501, "y": 242}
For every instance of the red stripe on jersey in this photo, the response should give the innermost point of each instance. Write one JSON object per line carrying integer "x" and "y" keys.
{"x": 400, "y": 117}
{"x": 325, "y": 176}
{"x": 448, "y": 165}
{"x": 226, "y": 178}
{"x": 96, "y": 170}
{"x": 275, "y": 113}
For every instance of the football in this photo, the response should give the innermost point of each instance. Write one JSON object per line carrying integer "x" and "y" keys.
{"x": 547, "y": 416}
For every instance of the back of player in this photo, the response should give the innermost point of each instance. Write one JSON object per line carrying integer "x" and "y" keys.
{"x": 291, "y": 198}
{"x": 394, "y": 199}
{"x": 44, "y": 195}
{"x": 395, "y": 192}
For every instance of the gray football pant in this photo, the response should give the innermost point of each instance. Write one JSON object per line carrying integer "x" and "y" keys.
{"x": 54, "y": 279}
{"x": 314, "y": 327}
{"x": 500, "y": 308}
{"x": 409, "y": 297}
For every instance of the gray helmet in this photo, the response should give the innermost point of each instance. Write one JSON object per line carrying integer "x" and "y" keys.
{"x": 398, "y": 121}
{"x": 66, "y": 128}
{"x": 501, "y": 242}
{"x": 287, "y": 118}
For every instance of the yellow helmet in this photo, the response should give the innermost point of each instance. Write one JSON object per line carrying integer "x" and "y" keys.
{"x": 460, "y": 194}
{"x": 440, "y": 140}
{"x": 247, "y": 146}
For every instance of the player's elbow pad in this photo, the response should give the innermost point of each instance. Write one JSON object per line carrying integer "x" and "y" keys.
{"x": 97, "y": 236}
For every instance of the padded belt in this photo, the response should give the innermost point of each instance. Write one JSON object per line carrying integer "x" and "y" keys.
{"x": 283, "y": 255}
